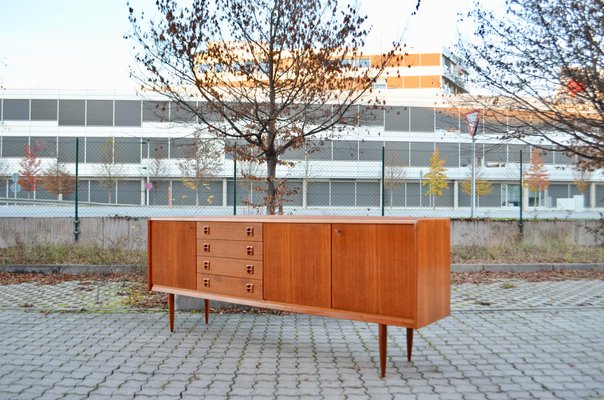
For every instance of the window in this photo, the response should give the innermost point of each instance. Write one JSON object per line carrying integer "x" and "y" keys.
{"x": 99, "y": 113}
{"x": 422, "y": 119}
{"x": 397, "y": 119}
{"x": 156, "y": 111}
{"x": 44, "y": 110}
{"x": 71, "y": 112}
{"x": 16, "y": 110}
{"x": 127, "y": 113}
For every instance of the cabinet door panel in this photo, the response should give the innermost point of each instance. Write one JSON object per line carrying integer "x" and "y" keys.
{"x": 373, "y": 269}
{"x": 172, "y": 251}
{"x": 297, "y": 263}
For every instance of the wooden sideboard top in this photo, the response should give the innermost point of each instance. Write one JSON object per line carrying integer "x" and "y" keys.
{"x": 305, "y": 219}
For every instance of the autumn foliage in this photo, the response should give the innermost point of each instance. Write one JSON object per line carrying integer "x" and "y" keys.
{"x": 537, "y": 177}
{"x": 29, "y": 170}
{"x": 57, "y": 180}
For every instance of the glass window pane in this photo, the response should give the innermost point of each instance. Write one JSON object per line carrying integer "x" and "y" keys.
{"x": 495, "y": 153}
{"x": 182, "y": 112}
{"x": 209, "y": 112}
{"x": 414, "y": 196}
{"x": 397, "y": 153}
{"x": 293, "y": 154}
{"x": 99, "y": 113}
{"x": 465, "y": 154}
{"x": 67, "y": 149}
{"x": 450, "y": 153}
{"x": 129, "y": 192}
{"x": 397, "y": 119}
{"x": 345, "y": 150}
{"x": 43, "y": 194}
{"x": 44, "y": 110}
{"x": 342, "y": 193}
{"x": 547, "y": 154}
{"x": 155, "y": 149}
{"x": 394, "y": 193}
{"x": 317, "y": 194}
{"x": 244, "y": 192}
{"x": 71, "y": 112}
{"x": 370, "y": 151}
{"x": 319, "y": 150}
{"x": 99, "y": 150}
{"x": 371, "y": 115}
{"x": 102, "y": 192}
{"x": 368, "y": 194}
{"x": 514, "y": 153}
{"x": 420, "y": 153}
{"x": 127, "y": 150}
{"x": 446, "y": 200}
{"x": 600, "y": 195}
{"x": 160, "y": 193}
{"x": 422, "y": 119}
{"x": 44, "y": 146}
{"x": 16, "y": 109}
{"x": 127, "y": 113}
{"x": 492, "y": 199}
{"x": 156, "y": 111}
{"x": 446, "y": 120}
{"x": 178, "y": 147}
{"x": 558, "y": 191}
{"x": 350, "y": 117}
{"x": 14, "y": 146}
{"x": 293, "y": 193}
{"x": 82, "y": 192}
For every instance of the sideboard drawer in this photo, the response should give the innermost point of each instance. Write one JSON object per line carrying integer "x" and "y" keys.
{"x": 230, "y": 231}
{"x": 229, "y": 249}
{"x": 230, "y": 286}
{"x": 230, "y": 267}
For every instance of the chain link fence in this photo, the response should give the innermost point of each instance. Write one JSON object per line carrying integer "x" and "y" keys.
{"x": 142, "y": 176}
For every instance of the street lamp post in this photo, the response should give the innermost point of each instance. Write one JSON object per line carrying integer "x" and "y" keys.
{"x": 472, "y": 121}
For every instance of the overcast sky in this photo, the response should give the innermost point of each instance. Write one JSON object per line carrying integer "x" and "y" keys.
{"x": 78, "y": 44}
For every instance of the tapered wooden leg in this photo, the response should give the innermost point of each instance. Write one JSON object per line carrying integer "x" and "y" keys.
{"x": 409, "y": 343}
{"x": 383, "y": 334}
{"x": 206, "y": 309}
{"x": 171, "y": 310}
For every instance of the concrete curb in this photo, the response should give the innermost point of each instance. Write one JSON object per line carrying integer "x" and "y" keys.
{"x": 109, "y": 269}
{"x": 71, "y": 269}
{"x": 524, "y": 267}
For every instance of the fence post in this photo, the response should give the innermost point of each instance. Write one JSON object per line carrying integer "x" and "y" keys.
{"x": 235, "y": 180}
{"x": 520, "y": 222}
{"x": 76, "y": 221}
{"x": 383, "y": 177}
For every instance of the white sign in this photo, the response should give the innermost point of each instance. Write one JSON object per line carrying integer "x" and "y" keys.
{"x": 472, "y": 120}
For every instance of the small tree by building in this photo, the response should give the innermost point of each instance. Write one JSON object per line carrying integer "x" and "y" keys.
{"x": 29, "y": 170}
{"x": 57, "y": 180}
{"x": 108, "y": 170}
{"x": 436, "y": 178}
{"x": 483, "y": 187}
{"x": 537, "y": 178}
{"x": 202, "y": 160}
{"x": 156, "y": 166}
{"x": 582, "y": 179}
{"x": 395, "y": 174}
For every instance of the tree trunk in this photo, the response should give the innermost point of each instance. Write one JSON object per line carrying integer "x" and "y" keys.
{"x": 271, "y": 191}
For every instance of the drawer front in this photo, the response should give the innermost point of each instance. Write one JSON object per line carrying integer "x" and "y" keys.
{"x": 229, "y": 249}
{"x": 230, "y": 231}
{"x": 250, "y": 269}
{"x": 230, "y": 286}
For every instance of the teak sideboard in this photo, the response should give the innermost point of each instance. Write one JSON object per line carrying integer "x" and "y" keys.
{"x": 384, "y": 270}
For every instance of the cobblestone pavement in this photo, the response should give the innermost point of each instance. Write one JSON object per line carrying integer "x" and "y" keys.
{"x": 531, "y": 340}
{"x": 512, "y": 294}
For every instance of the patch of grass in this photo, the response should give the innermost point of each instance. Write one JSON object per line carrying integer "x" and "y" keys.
{"x": 507, "y": 285}
{"x": 553, "y": 251}
{"x": 71, "y": 254}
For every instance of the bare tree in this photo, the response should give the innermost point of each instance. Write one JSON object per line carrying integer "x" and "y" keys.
{"x": 109, "y": 171}
{"x": 202, "y": 160}
{"x": 156, "y": 165}
{"x": 269, "y": 72}
{"x": 395, "y": 174}
{"x": 541, "y": 65}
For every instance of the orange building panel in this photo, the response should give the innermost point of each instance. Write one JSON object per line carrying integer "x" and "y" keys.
{"x": 430, "y": 59}
{"x": 412, "y": 82}
{"x": 411, "y": 60}
{"x": 394, "y": 82}
{"x": 430, "y": 81}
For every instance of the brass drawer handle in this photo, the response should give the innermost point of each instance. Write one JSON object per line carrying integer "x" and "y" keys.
{"x": 249, "y": 231}
{"x": 206, "y": 282}
{"x": 206, "y": 230}
{"x": 206, "y": 265}
{"x": 206, "y": 247}
{"x": 250, "y": 287}
{"x": 250, "y": 269}
{"x": 250, "y": 250}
